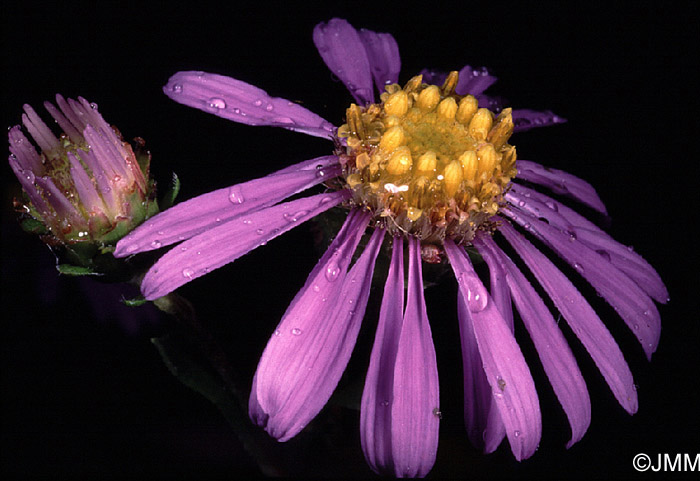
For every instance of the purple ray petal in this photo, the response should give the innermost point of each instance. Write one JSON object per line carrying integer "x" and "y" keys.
{"x": 581, "y": 317}
{"x": 415, "y": 411}
{"x": 22, "y": 148}
{"x": 629, "y": 300}
{"x": 64, "y": 123}
{"x": 556, "y": 356}
{"x": 87, "y": 193}
{"x": 343, "y": 52}
{"x": 39, "y": 131}
{"x": 63, "y": 207}
{"x": 560, "y": 182}
{"x": 383, "y": 55}
{"x": 494, "y": 431}
{"x": 568, "y": 220}
{"x": 226, "y": 243}
{"x": 307, "y": 354}
{"x": 505, "y": 367}
{"x": 27, "y": 178}
{"x": 378, "y": 393}
{"x": 241, "y": 102}
{"x": 474, "y": 81}
{"x": 485, "y": 428}
{"x": 526, "y": 119}
{"x": 212, "y": 209}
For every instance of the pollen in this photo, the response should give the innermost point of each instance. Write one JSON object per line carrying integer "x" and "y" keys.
{"x": 426, "y": 161}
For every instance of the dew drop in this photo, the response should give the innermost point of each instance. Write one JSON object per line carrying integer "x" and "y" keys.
{"x": 187, "y": 272}
{"x": 247, "y": 221}
{"x": 437, "y": 413}
{"x": 259, "y": 231}
{"x": 176, "y": 88}
{"x": 156, "y": 244}
{"x": 278, "y": 332}
{"x": 578, "y": 267}
{"x": 571, "y": 234}
{"x": 384, "y": 403}
{"x": 235, "y": 196}
{"x": 326, "y": 199}
{"x": 552, "y": 205}
{"x": 216, "y": 103}
{"x": 516, "y": 433}
{"x": 269, "y": 107}
{"x": 332, "y": 271}
{"x": 296, "y": 216}
{"x": 316, "y": 288}
{"x": 257, "y": 103}
{"x": 521, "y": 203}
{"x": 296, "y": 331}
{"x": 477, "y": 298}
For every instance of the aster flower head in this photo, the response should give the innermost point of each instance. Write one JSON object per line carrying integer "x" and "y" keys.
{"x": 86, "y": 187}
{"x": 429, "y": 164}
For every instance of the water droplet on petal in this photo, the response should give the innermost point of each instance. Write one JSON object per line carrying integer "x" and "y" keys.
{"x": 332, "y": 271}
{"x": 316, "y": 288}
{"x": 269, "y": 107}
{"x": 384, "y": 403}
{"x": 516, "y": 433}
{"x": 521, "y": 203}
{"x": 296, "y": 331}
{"x": 578, "y": 267}
{"x": 235, "y": 195}
{"x": 259, "y": 231}
{"x": 257, "y": 103}
{"x": 187, "y": 272}
{"x": 216, "y": 103}
{"x": 477, "y": 298}
{"x": 156, "y": 244}
{"x": 552, "y": 205}
{"x": 296, "y": 216}
{"x": 176, "y": 88}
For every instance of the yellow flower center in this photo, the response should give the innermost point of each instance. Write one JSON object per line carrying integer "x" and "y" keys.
{"x": 426, "y": 161}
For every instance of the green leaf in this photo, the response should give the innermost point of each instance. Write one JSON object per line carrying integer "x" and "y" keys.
{"x": 71, "y": 270}
{"x": 171, "y": 194}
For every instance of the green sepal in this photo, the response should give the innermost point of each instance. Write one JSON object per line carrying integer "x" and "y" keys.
{"x": 33, "y": 226}
{"x": 169, "y": 198}
{"x": 136, "y": 302}
{"x": 71, "y": 270}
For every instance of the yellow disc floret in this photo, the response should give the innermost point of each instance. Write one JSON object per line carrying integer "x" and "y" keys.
{"x": 426, "y": 161}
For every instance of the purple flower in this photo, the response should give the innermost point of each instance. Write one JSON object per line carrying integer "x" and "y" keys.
{"x": 429, "y": 164}
{"x": 86, "y": 185}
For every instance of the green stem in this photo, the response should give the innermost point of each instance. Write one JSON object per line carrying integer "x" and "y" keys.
{"x": 223, "y": 391}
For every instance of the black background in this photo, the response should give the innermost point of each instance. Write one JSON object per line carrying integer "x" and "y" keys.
{"x": 84, "y": 393}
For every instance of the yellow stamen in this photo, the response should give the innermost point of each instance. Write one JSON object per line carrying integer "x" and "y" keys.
{"x": 481, "y": 124}
{"x": 462, "y": 164}
{"x": 391, "y": 139}
{"x": 427, "y": 163}
{"x": 400, "y": 161}
{"x": 447, "y": 108}
{"x": 428, "y": 98}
